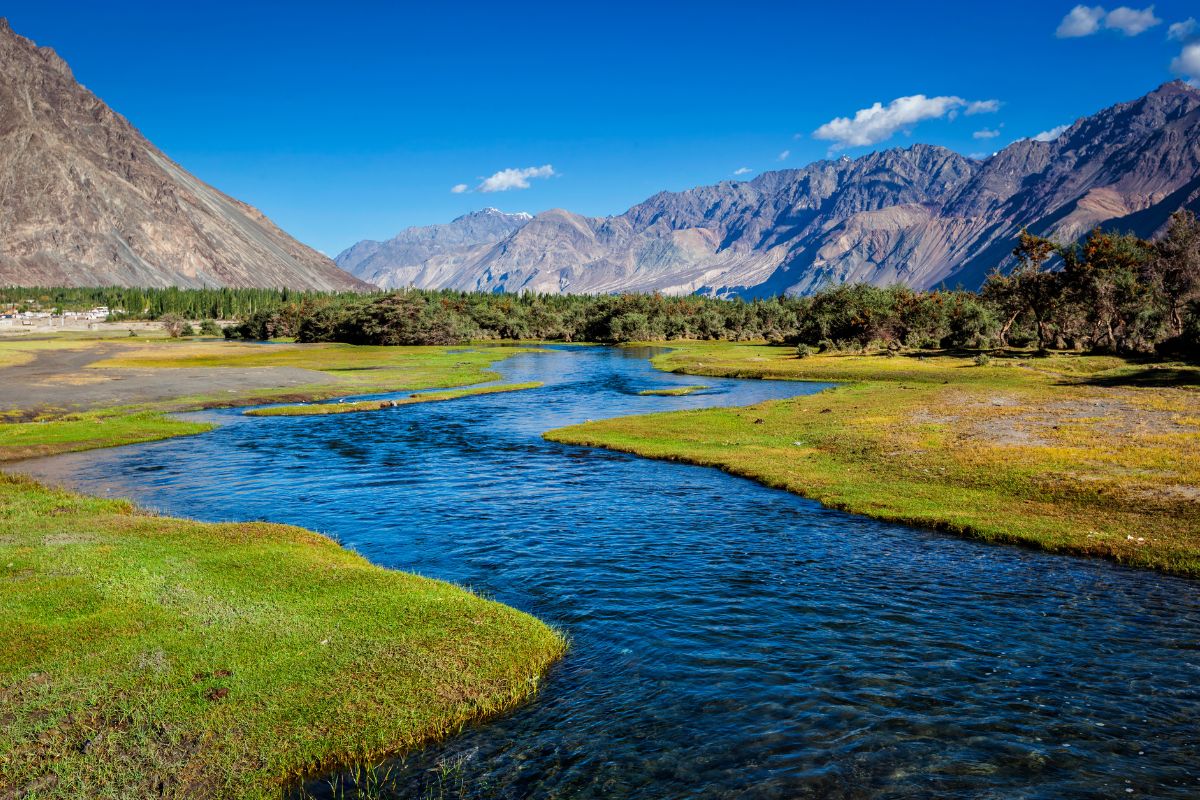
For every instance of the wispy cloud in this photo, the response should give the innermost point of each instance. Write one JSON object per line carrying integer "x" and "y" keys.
{"x": 459, "y": 188}
{"x": 784, "y": 155}
{"x": 1131, "y": 21}
{"x": 982, "y": 107}
{"x": 1050, "y": 135}
{"x": 879, "y": 122}
{"x": 1182, "y": 31}
{"x": 1086, "y": 20}
{"x": 742, "y": 171}
{"x": 986, "y": 133}
{"x": 513, "y": 178}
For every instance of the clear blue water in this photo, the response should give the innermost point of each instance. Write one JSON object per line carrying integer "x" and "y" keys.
{"x": 728, "y": 640}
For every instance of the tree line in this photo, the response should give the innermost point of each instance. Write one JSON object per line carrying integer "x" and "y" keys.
{"x": 141, "y": 303}
{"x": 1110, "y": 292}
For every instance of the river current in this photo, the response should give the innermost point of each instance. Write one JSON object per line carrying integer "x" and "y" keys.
{"x": 727, "y": 640}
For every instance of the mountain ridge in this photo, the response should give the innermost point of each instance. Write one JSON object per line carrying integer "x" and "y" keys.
{"x": 922, "y": 215}
{"x": 87, "y": 200}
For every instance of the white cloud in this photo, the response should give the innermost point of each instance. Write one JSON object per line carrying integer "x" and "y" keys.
{"x": 1188, "y": 61}
{"x": 982, "y": 107}
{"x": 742, "y": 171}
{"x": 1182, "y": 31}
{"x": 986, "y": 133}
{"x": 1085, "y": 20}
{"x": 1131, "y": 21}
{"x": 1051, "y": 135}
{"x": 512, "y": 178}
{"x": 879, "y": 122}
{"x": 459, "y": 188}
{"x": 784, "y": 155}
{"x": 1080, "y": 21}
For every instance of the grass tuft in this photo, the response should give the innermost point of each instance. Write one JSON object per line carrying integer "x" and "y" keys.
{"x": 678, "y": 391}
{"x": 378, "y": 405}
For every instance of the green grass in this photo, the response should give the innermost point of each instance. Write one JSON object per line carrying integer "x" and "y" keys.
{"x": 146, "y": 656}
{"x": 678, "y": 391}
{"x": 1071, "y": 454}
{"x": 89, "y": 430}
{"x": 354, "y": 370}
{"x": 377, "y": 405}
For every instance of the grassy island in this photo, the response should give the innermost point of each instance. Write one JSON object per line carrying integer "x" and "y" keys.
{"x": 319, "y": 409}
{"x": 142, "y": 655}
{"x": 1091, "y": 455}
{"x": 677, "y": 391}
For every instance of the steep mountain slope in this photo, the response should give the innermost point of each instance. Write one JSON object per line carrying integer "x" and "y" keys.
{"x": 430, "y": 255}
{"x": 86, "y": 200}
{"x": 921, "y": 216}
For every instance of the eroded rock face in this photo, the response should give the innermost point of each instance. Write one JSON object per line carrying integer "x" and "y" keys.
{"x": 86, "y": 200}
{"x": 921, "y": 216}
{"x": 430, "y": 255}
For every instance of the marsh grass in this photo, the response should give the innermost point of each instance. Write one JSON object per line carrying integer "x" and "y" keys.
{"x": 150, "y": 656}
{"x": 379, "y": 405}
{"x": 677, "y": 391}
{"x": 1067, "y": 453}
{"x": 355, "y": 370}
{"x": 54, "y": 433}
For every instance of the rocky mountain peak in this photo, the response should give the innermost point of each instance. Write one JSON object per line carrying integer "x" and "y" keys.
{"x": 88, "y": 201}
{"x": 922, "y": 215}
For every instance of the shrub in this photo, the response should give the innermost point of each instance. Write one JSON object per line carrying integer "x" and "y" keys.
{"x": 172, "y": 324}
{"x": 209, "y": 328}
{"x": 982, "y": 360}
{"x": 803, "y": 350}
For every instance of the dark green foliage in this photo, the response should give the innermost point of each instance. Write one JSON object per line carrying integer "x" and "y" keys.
{"x": 135, "y": 303}
{"x": 1110, "y": 292}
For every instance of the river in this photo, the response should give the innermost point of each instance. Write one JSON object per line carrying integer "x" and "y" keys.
{"x": 727, "y": 640}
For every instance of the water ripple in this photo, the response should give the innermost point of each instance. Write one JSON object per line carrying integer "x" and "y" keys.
{"x": 728, "y": 640}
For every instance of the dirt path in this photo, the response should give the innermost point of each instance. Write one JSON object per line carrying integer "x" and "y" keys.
{"x": 60, "y": 379}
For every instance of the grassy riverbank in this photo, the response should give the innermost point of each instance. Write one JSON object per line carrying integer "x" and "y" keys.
{"x": 149, "y": 656}
{"x": 1072, "y": 454}
{"x": 378, "y": 405}
{"x": 143, "y": 655}
{"x": 249, "y": 374}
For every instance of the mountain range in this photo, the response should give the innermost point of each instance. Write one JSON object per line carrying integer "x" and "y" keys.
{"x": 923, "y": 215}
{"x": 86, "y": 200}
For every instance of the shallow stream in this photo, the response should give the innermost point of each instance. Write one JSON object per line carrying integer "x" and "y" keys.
{"x": 727, "y": 640}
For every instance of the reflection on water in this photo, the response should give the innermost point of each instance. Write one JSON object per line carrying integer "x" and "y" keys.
{"x": 728, "y": 640}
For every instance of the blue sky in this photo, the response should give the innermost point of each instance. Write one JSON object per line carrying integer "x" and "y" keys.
{"x": 354, "y": 120}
